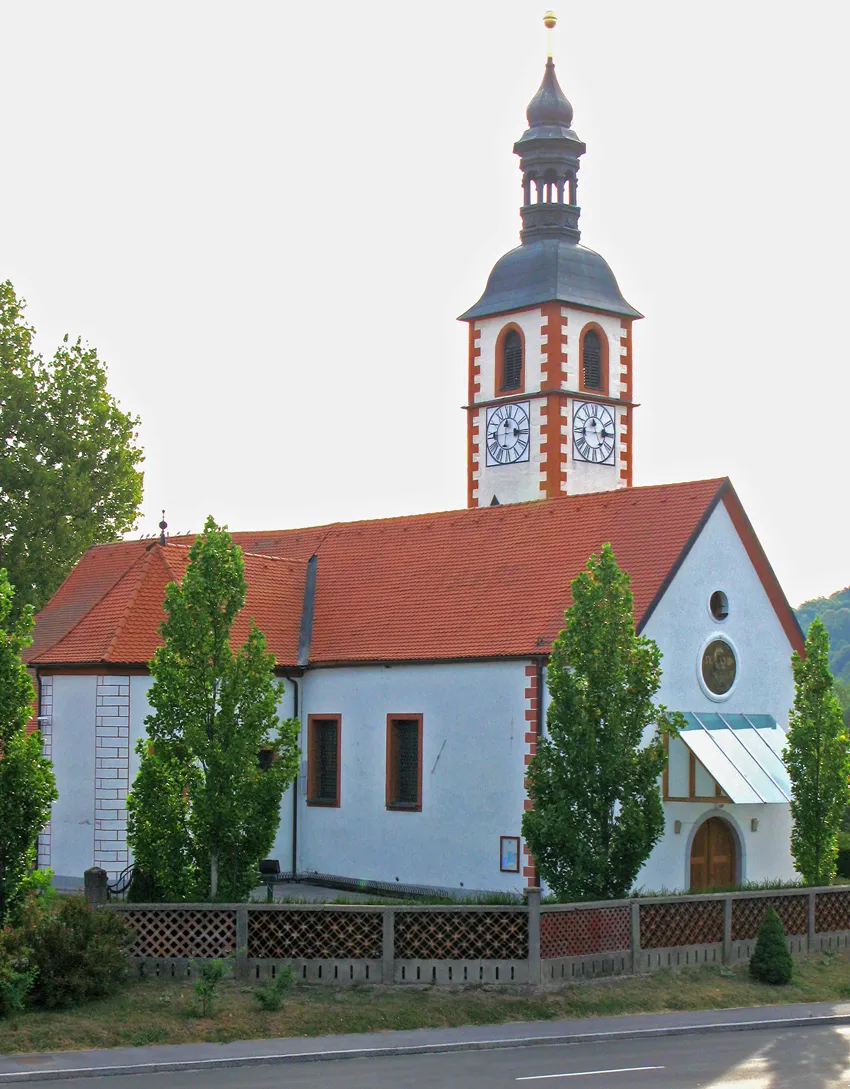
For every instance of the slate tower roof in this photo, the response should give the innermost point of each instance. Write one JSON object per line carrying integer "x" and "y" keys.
{"x": 550, "y": 265}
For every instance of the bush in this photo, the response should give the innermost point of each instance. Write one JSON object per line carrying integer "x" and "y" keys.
{"x": 17, "y": 973}
{"x": 771, "y": 962}
{"x": 206, "y": 988}
{"x": 77, "y": 953}
{"x": 272, "y": 993}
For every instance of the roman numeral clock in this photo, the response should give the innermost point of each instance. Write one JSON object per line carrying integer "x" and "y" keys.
{"x": 594, "y": 433}
{"x": 508, "y": 432}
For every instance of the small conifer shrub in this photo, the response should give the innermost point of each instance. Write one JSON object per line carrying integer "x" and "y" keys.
{"x": 771, "y": 962}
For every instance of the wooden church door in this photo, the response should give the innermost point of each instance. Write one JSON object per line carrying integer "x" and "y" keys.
{"x": 713, "y": 855}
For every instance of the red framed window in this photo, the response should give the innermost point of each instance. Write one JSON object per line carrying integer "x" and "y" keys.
{"x": 404, "y": 762}
{"x": 324, "y": 734}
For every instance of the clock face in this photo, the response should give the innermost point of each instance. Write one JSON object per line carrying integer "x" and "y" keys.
{"x": 508, "y": 433}
{"x": 594, "y": 433}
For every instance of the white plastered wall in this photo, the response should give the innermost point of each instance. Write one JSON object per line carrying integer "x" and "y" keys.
{"x": 72, "y": 821}
{"x": 519, "y": 482}
{"x": 680, "y": 625}
{"x": 583, "y": 477}
{"x": 472, "y": 774}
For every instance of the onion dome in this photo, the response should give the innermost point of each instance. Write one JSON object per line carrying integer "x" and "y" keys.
{"x": 550, "y": 106}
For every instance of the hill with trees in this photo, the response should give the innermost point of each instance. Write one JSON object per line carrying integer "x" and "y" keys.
{"x": 834, "y": 611}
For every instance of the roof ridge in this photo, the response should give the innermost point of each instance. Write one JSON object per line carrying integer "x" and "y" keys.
{"x": 246, "y": 552}
{"x": 502, "y": 509}
{"x": 119, "y": 627}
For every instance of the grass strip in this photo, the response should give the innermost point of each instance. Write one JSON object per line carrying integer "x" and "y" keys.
{"x": 153, "y": 1012}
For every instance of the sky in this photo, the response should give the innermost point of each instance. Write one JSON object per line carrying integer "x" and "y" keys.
{"x": 266, "y": 217}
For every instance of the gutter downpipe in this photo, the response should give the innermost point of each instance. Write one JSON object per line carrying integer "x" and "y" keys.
{"x": 541, "y": 663}
{"x": 295, "y": 701}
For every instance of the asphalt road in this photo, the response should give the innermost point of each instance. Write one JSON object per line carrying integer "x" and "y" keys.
{"x": 817, "y": 1058}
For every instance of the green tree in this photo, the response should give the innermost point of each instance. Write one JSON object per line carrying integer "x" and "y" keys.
{"x": 27, "y": 785}
{"x": 593, "y": 782}
{"x": 69, "y": 475}
{"x": 818, "y": 760}
{"x": 204, "y": 808}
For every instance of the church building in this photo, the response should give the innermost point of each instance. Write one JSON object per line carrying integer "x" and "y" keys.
{"x": 413, "y": 649}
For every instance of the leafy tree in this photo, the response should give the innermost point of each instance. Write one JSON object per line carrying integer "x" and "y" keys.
{"x": 203, "y": 809}
{"x": 593, "y": 782}
{"x": 27, "y": 785}
{"x": 771, "y": 962}
{"x": 818, "y": 760}
{"x": 69, "y": 475}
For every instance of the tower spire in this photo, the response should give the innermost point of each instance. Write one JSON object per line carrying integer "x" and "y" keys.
{"x": 550, "y": 20}
{"x": 549, "y": 154}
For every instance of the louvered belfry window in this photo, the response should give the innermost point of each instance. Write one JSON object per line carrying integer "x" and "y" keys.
{"x": 592, "y": 360}
{"x": 512, "y": 360}
{"x": 404, "y": 771}
{"x": 323, "y": 762}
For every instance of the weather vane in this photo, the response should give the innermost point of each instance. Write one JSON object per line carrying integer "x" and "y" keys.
{"x": 549, "y": 21}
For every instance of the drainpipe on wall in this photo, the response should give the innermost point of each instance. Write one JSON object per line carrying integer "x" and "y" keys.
{"x": 541, "y": 662}
{"x": 294, "y": 683}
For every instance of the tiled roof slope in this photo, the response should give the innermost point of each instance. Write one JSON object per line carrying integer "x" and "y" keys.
{"x": 484, "y": 582}
{"x": 123, "y": 626}
{"x": 480, "y": 583}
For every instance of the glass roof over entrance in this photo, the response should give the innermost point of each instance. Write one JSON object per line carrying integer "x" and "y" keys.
{"x": 742, "y": 752}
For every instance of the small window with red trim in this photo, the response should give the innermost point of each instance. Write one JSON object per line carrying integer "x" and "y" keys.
{"x": 404, "y": 762}
{"x": 511, "y": 360}
{"x": 323, "y": 766}
{"x": 592, "y": 360}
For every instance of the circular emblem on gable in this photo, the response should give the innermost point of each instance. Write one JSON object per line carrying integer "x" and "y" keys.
{"x": 719, "y": 667}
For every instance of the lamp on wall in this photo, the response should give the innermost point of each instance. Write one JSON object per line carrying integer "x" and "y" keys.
{"x": 754, "y": 824}
{"x": 677, "y": 827}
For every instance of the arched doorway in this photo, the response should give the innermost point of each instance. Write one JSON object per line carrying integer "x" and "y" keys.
{"x": 713, "y": 857}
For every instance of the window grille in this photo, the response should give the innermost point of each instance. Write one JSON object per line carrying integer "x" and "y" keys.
{"x": 512, "y": 360}
{"x": 324, "y": 762}
{"x": 592, "y": 359}
{"x": 404, "y": 772}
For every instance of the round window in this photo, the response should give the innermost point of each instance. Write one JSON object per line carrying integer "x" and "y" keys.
{"x": 719, "y": 605}
{"x": 719, "y": 667}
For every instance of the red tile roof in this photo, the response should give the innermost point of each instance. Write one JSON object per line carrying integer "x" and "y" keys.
{"x": 481, "y": 583}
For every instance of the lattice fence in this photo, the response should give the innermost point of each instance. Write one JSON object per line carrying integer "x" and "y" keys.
{"x": 689, "y": 922}
{"x": 461, "y": 935}
{"x": 181, "y": 933}
{"x": 832, "y": 912}
{"x": 315, "y": 935}
{"x": 582, "y": 933}
{"x": 747, "y": 915}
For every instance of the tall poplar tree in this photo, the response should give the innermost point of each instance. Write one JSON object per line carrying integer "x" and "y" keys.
{"x": 69, "y": 471}
{"x": 818, "y": 760}
{"x": 27, "y": 784}
{"x": 204, "y": 807}
{"x": 593, "y": 782}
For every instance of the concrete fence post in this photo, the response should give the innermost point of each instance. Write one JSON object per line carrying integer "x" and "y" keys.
{"x": 240, "y": 969}
{"x": 727, "y": 930}
{"x": 635, "y": 921}
{"x": 388, "y": 947}
{"x": 811, "y": 944}
{"x": 532, "y": 897}
{"x": 94, "y": 886}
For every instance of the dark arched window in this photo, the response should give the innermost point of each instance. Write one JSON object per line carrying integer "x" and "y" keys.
{"x": 512, "y": 360}
{"x": 592, "y": 360}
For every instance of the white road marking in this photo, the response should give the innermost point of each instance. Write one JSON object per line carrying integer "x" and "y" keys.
{"x": 588, "y": 1073}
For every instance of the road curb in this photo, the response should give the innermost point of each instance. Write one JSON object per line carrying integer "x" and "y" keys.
{"x": 178, "y": 1065}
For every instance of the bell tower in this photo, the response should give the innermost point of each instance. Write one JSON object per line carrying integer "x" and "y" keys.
{"x": 550, "y": 341}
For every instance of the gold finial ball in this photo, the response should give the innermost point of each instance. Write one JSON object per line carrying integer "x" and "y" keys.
{"x": 550, "y": 19}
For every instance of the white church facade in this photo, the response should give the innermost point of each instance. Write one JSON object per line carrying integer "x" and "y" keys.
{"x": 414, "y": 649}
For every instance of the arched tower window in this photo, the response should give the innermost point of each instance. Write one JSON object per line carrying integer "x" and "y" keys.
{"x": 591, "y": 359}
{"x": 512, "y": 360}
